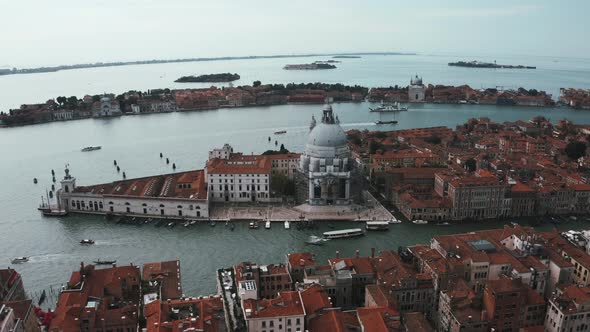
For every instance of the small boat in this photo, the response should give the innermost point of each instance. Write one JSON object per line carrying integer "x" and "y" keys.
{"x": 186, "y": 224}
{"x": 193, "y": 222}
{"x": 377, "y": 225}
{"x": 18, "y": 260}
{"x": 420, "y": 222}
{"x": 287, "y": 224}
{"x": 574, "y": 218}
{"x": 91, "y": 148}
{"x": 394, "y": 220}
{"x": 171, "y": 224}
{"x": 212, "y": 223}
{"x": 267, "y": 224}
{"x": 344, "y": 233}
{"x": 280, "y": 132}
{"x": 443, "y": 224}
{"x": 385, "y": 122}
{"x": 54, "y": 213}
{"x": 253, "y": 225}
{"x": 101, "y": 262}
{"x": 87, "y": 241}
{"x": 315, "y": 240}
{"x": 147, "y": 221}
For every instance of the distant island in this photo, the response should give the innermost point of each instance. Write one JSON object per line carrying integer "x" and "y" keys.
{"x": 346, "y": 57}
{"x": 477, "y": 64}
{"x": 209, "y": 78}
{"x": 13, "y": 71}
{"x": 310, "y": 66}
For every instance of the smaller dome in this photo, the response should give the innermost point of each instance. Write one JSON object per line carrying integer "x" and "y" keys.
{"x": 416, "y": 80}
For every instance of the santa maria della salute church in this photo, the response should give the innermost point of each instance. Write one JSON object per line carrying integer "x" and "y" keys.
{"x": 326, "y": 170}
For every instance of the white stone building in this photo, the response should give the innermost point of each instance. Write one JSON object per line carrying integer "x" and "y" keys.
{"x": 63, "y": 115}
{"x": 416, "y": 90}
{"x": 285, "y": 164}
{"x": 178, "y": 195}
{"x": 285, "y": 313}
{"x": 234, "y": 177}
{"x": 569, "y": 310}
{"x": 325, "y": 162}
{"x": 105, "y": 108}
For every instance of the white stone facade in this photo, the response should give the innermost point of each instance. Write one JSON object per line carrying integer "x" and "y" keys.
{"x": 325, "y": 162}
{"x": 416, "y": 90}
{"x": 239, "y": 187}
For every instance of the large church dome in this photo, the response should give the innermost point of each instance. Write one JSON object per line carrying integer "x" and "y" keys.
{"x": 328, "y": 133}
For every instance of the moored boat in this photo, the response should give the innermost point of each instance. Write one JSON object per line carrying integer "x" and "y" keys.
{"x": 86, "y": 241}
{"x": 267, "y": 224}
{"x": 287, "y": 224}
{"x": 253, "y": 225}
{"x": 18, "y": 260}
{"x": 280, "y": 132}
{"x": 395, "y": 107}
{"x": 394, "y": 220}
{"x": 377, "y": 225}
{"x": 420, "y": 222}
{"x": 105, "y": 262}
{"x": 344, "y": 233}
{"x": 385, "y": 122}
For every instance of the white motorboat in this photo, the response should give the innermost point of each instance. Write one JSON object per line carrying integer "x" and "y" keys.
{"x": 267, "y": 224}
{"x": 87, "y": 241}
{"x": 377, "y": 225}
{"x": 420, "y": 222}
{"x": 394, "y": 220}
{"x": 287, "y": 224}
{"x": 18, "y": 260}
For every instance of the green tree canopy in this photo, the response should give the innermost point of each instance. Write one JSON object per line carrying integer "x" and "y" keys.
{"x": 575, "y": 150}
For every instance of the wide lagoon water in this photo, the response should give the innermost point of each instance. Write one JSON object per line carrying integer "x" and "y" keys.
{"x": 136, "y": 141}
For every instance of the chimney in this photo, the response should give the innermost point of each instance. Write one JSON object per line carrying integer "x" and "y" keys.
{"x": 373, "y": 252}
{"x": 357, "y": 253}
{"x": 337, "y": 254}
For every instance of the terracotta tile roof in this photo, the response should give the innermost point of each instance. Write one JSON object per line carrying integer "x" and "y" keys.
{"x": 301, "y": 259}
{"x": 315, "y": 299}
{"x": 379, "y": 319}
{"x": 521, "y": 188}
{"x": 167, "y": 186}
{"x": 92, "y": 292}
{"x": 335, "y": 321}
{"x": 361, "y": 265}
{"x": 286, "y": 304}
{"x": 204, "y": 314}
{"x": 416, "y": 322}
{"x": 240, "y": 164}
{"x": 168, "y": 274}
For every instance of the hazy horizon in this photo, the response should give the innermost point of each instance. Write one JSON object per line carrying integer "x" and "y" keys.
{"x": 39, "y": 33}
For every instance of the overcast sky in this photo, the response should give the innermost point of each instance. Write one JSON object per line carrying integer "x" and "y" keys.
{"x": 52, "y": 32}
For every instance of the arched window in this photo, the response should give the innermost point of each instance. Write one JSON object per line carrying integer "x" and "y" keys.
{"x": 197, "y": 207}
{"x": 143, "y": 204}
{"x": 161, "y": 205}
{"x": 127, "y": 203}
{"x": 180, "y": 206}
{"x": 110, "y": 203}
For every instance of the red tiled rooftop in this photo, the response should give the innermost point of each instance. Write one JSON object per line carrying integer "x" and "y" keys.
{"x": 315, "y": 299}
{"x": 301, "y": 259}
{"x": 240, "y": 164}
{"x": 286, "y": 304}
{"x": 378, "y": 319}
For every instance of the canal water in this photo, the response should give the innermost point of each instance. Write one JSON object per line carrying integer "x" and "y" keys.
{"x": 185, "y": 138}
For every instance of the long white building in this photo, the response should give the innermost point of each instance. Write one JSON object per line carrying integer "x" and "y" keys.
{"x": 177, "y": 195}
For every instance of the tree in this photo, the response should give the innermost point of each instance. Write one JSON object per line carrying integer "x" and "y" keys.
{"x": 575, "y": 150}
{"x": 282, "y": 147}
{"x": 433, "y": 139}
{"x": 95, "y": 98}
{"x": 471, "y": 165}
{"x": 61, "y": 100}
{"x": 256, "y": 84}
{"x": 72, "y": 102}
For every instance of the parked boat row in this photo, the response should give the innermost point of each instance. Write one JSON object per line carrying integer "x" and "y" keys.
{"x": 394, "y": 107}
